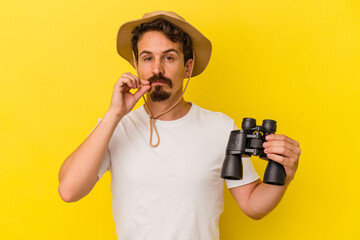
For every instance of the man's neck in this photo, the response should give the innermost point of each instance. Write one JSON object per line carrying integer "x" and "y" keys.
{"x": 178, "y": 111}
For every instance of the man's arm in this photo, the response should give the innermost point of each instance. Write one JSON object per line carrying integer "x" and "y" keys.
{"x": 79, "y": 173}
{"x": 257, "y": 199}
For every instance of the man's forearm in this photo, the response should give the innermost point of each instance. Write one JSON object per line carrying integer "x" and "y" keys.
{"x": 260, "y": 198}
{"x": 264, "y": 198}
{"x": 78, "y": 174}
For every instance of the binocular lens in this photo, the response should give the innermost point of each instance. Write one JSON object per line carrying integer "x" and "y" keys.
{"x": 232, "y": 167}
{"x": 248, "y": 123}
{"x": 269, "y": 125}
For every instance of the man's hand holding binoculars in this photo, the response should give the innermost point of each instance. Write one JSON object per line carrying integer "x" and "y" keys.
{"x": 285, "y": 151}
{"x": 281, "y": 152}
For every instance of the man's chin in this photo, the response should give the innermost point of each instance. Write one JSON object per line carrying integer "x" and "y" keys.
{"x": 159, "y": 95}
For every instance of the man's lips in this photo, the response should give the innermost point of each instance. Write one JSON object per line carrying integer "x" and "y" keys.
{"x": 160, "y": 80}
{"x": 158, "y": 83}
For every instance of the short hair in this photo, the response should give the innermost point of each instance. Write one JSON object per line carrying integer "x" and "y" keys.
{"x": 171, "y": 31}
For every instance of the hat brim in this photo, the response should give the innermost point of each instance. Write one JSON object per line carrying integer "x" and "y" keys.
{"x": 201, "y": 45}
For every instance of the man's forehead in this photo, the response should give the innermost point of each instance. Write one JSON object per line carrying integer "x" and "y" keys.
{"x": 155, "y": 41}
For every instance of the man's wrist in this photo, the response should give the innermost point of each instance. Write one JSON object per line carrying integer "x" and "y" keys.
{"x": 112, "y": 117}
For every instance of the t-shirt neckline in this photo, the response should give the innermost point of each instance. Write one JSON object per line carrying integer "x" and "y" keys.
{"x": 172, "y": 122}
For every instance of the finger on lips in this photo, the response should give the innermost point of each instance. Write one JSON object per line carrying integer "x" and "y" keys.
{"x": 135, "y": 81}
{"x": 144, "y": 82}
{"x": 131, "y": 81}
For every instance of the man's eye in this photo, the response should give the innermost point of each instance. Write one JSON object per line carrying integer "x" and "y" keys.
{"x": 147, "y": 59}
{"x": 168, "y": 58}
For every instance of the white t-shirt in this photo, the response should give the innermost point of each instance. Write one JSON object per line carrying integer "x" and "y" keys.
{"x": 173, "y": 191}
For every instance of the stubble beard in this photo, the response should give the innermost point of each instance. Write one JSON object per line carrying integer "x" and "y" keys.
{"x": 159, "y": 94}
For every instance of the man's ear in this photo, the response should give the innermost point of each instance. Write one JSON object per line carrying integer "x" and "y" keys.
{"x": 188, "y": 68}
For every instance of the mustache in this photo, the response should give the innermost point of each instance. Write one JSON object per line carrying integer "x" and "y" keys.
{"x": 160, "y": 78}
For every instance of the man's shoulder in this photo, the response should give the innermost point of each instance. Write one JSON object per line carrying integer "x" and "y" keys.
{"x": 213, "y": 115}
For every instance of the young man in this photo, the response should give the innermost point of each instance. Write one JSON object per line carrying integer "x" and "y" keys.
{"x": 167, "y": 186}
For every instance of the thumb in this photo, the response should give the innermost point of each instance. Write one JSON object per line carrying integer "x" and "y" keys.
{"x": 142, "y": 90}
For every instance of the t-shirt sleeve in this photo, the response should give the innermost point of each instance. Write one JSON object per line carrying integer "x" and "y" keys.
{"x": 105, "y": 164}
{"x": 249, "y": 173}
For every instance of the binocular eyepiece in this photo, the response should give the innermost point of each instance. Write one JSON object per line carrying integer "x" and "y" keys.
{"x": 249, "y": 141}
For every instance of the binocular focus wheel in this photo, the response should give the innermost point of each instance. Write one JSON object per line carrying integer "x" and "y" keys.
{"x": 256, "y": 143}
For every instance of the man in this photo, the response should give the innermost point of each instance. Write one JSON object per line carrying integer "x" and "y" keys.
{"x": 168, "y": 186}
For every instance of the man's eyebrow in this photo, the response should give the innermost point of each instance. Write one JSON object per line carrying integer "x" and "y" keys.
{"x": 145, "y": 52}
{"x": 166, "y": 51}
{"x": 171, "y": 50}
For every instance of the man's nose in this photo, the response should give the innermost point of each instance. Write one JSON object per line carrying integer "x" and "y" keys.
{"x": 158, "y": 67}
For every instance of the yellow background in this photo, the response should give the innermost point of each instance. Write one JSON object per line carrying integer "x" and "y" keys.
{"x": 297, "y": 62}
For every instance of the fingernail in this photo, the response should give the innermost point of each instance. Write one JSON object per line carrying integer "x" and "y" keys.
{"x": 268, "y": 137}
{"x": 265, "y": 144}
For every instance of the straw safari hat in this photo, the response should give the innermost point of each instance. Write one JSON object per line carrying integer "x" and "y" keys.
{"x": 202, "y": 45}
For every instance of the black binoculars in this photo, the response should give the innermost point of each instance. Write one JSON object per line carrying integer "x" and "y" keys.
{"x": 249, "y": 141}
